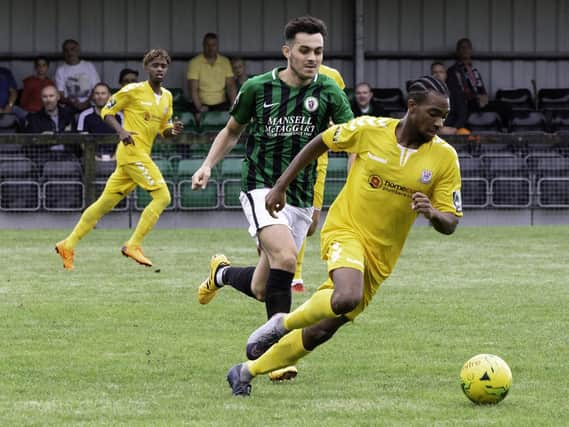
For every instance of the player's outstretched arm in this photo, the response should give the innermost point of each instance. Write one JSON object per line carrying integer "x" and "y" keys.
{"x": 275, "y": 199}
{"x": 443, "y": 222}
{"x": 222, "y": 144}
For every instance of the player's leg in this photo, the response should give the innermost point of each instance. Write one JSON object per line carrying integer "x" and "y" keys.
{"x": 117, "y": 187}
{"x": 297, "y": 282}
{"x": 148, "y": 176}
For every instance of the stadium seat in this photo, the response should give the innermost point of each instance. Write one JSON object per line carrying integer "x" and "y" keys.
{"x": 104, "y": 169}
{"x": 19, "y": 190}
{"x": 63, "y": 189}
{"x": 189, "y": 199}
{"x": 553, "y": 99}
{"x": 332, "y": 188}
{"x": 230, "y": 189}
{"x": 231, "y": 168}
{"x": 11, "y": 150}
{"x": 475, "y": 186}
{"x": 163, "y": 150}
{"x": 484, "y": 123}
{"x": 187, "y": 167}
{"x": 8, "y": 123}
{"x": 510, "y": 185}
{"x": 165, "y": 168}
{"x": 518, "y": 99}
{"x": 213, "y": 121}
{"x": 391, "y": 99}
{"x": 189, "y": 120}
{"x": 528, "y": 122}
{"x": 552, "y": 180}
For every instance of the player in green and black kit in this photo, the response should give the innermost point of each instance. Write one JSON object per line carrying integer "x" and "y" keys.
{"x": 286, "y": 107}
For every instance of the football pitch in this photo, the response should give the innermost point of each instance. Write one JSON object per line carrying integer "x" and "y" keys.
{"x": 114, "y": 343}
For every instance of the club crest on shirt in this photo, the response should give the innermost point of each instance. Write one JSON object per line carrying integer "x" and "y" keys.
{"x": 112, "y": 102}
{"x": 375, "y": 181}
{"x": 426, "y": 176}
{"x": 311, "y": 104}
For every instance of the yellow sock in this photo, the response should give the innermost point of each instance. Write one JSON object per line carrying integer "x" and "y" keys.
{"x": 91, "y": 216}
{"x": 318, "y": 307}
{"x": 284, "y": 353}
{"x": 150, "y": 215}
{"x": 299, "y": 260}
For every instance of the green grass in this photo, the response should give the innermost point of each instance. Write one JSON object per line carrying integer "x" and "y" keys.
{"x": 113, "y": 343}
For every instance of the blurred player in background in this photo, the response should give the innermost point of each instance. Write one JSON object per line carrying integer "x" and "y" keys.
{"x": 147, "y": 111}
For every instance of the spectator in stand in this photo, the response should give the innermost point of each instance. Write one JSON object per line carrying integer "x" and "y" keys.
{"x": 9, "y": 95}
{"x": 239, "y": 72}
{"x": 76, "y": 78}
{"x": 364, "y": 104}
{"x": 464, "y": 76}
{"x": 458, "y": 113}
{"x": 210, "y": 79}
{"x": 128, "y": 76}
{"x": 90, "y": 120}
{"x": 30, "y": 100}
{"x": 51, "y": 119}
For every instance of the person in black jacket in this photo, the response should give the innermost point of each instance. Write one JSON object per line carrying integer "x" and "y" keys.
{"x": 458, "y": 113}
{"x": 51, "y": 119}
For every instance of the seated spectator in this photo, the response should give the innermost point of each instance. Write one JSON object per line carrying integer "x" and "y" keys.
{"x": 239, "y": 72}
{"x": 90, "y": 120}
{"x": 30, "y": 100}
{"x": 210, "y": 79}
{"x": 128, "y": 76}
{"x": 458, "y": 113}
{"x": 9, "y": 95}
{"x": 463, "y": 75}
{"x": 51, "y": 119}
{"x": 364, "y": 104}
{"x": 76, "y": 78}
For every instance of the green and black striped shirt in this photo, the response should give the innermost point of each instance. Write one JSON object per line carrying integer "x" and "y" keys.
{"x": 283, "y": 120}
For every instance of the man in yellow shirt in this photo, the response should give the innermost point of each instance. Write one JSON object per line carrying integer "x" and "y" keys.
{"x": 402, "y": 169}
{"x": 210, "y": 79}
{"x": 147, "y": 111}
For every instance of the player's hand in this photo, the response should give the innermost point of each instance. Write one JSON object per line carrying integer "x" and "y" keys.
{"x": 126, "y": 137}
{"x": 178, "y": 127}
{"x": 200, "y": 178}
{"x": 275, "y": 201}
{"x": 422, "y": 204}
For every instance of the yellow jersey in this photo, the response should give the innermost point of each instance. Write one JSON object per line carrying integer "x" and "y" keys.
{"x": 322, "y": 164}
{"x": 145, "y": 114}
{"x": 375, "y": 202}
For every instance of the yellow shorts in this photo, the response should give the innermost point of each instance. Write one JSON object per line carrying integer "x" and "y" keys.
{"x": 343, "y": 249}
{"x": 126, "y": 177}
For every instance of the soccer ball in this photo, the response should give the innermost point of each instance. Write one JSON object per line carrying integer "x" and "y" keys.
{"x": 485, "y": 379}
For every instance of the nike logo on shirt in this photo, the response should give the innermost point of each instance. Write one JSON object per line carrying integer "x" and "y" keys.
{"x": 265, "y": 105}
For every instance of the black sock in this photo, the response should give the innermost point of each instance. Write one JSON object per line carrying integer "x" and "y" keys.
{"x": 278, "y": 296}
{"x": 240, "y": 278}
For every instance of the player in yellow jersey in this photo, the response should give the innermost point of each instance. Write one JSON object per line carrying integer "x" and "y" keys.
{"x": 402, "y": 169}
{"x": 147, "y": 110}
{"x": 318, "y": 199}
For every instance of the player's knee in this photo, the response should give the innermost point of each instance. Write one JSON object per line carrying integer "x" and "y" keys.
{"x": 162, "y": 197}
{"x": 284, "y": 259}
{"x": 344, "y": 303}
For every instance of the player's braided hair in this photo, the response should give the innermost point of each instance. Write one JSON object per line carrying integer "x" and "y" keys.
{"x": 304, "y": 24}
{"x": 419, "y": 88}
{"x": 156, "y": 53}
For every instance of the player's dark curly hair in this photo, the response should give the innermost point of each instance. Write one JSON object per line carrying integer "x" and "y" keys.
{"x": 419, "y": 88}
{"x": 304, "y": 24}
{"x": 156, "y": 53}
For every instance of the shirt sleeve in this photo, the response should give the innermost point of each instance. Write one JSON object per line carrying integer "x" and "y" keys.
{"x": 321, "y": 169}
{"x": 446, "y": 195}
{"x": 167, "y": 122}
{"x": 117, "y": 102}
{"x": 345, "y": 137}
{"x": 244, "y": 106}
{"x": 59, "y": 79}
{"x": 341, "y": 110}
{"x": 193, "y": 70}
